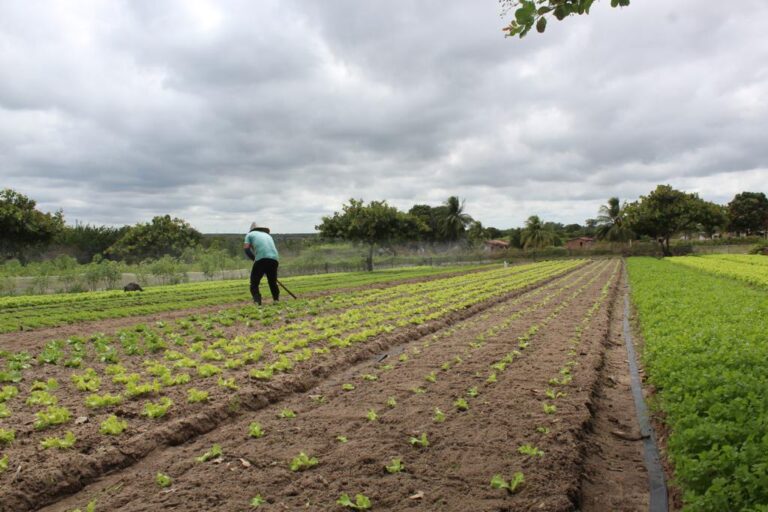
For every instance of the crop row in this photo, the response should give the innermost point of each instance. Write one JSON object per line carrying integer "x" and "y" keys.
{"x": 31, "y": 312}
{"x": 706, "y": 353}
{"x": 752, "y": 269}
{"x": 384, "y": 400}
{"x": 148, "y": 371}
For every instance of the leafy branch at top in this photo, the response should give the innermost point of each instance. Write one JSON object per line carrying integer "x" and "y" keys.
{"x": 530, "y": 13}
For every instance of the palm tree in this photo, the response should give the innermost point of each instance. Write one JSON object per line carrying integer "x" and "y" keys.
{"x": 455, "y": 221}
{"x": 612, "y": 222}
{"x": 535, "y": 235}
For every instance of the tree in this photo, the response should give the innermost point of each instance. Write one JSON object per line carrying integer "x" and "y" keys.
{"x": 477, "y": 233}
{"x": 712, "y": 218}
{"x": 535, "y": 235}
{"x": 160, "y": 237}
{"x": 430, "y": 218}
{"x": 748, "y": 213}
{"x": 371, "y": 224}
{"x": 23, "y": 226}
{"x": 530, "y": 13}
{"x": 665, "y": 212}
{"x": 88, "y": 241}
{"x": 455, "y": 221}
{"x": 612, "y": 222}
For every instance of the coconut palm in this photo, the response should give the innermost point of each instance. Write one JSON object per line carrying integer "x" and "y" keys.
{"x": 455, "y": 220}
{"x": 535, "y": 235}
{"x": 612, "y": 222}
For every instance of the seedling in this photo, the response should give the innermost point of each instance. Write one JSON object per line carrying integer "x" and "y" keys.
{"x": 286, "y": 413}
{"x": 403, "y": 358}
{"x": 318, "y": 399}
{"x": 418, "y": 391}
{"x": 228, "y": 383}
{"x": 157, "y": 409}
{"x": 8, "y": 392}
{"x": 7, "y": 436}
{"x": 4, "y": 412}
{"x": 342, "y": 439}
{"x": 432, "y": 377}
{"x": 553, "y": 395}
{"x": 542, "y": 430}
{"x": 208, "y": 370}
{"x": 396, "y": 466}
{"x": 52, "y": 416}
{"x": 530, "y": 450}
{"x": 370, "y": 377}
{"x": 362, "y": 502}
{"x": 3, "y": 463}
{"x": 445, "y": 366}
{"x": 439, "y": 416}
{"x": 41, "y": 398}
{"x": 513, "y": 486}
{"x": 88, "y": 381}
{"x": 113, "y": 426}
{"x": 50, "y": 385}
{"x": 472, "y": 392}
{"x": 491, "y": 378}
{"x": 347, "y": 386}
{"x": 196, "y": 395}
{"x": 105, "y": 400}
{"x": 257, "y": 501}
{"x": 461, "y": 404}
{"x": 264, "y": 374}
{"x": 420, "y": 441}
{"x": 303, "y": 461}
{"x": 62, "y": 444}
{"x": 371, "y": 415}
{"x": 254, "y": 430}
{"x": 91, "y": 507}
{"x": 213, "y": 453}
{"x": 549, "y": 409}
{"x": 391, "y": 402}
{"x": 163, "y": 480}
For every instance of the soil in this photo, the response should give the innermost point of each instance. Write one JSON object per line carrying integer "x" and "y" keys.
{"x": 452, "y": 473}
{"x": 615, "y": 477}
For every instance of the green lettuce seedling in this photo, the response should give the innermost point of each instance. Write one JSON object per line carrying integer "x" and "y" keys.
{"x": 513, "y": 486}
{"x": 420, "y": 441}
{"x": 254, "y": 430}
{"x": 257, "y": 501}
{"x": 105, "y": 400}
{"x": 362, "y": 502}
{"x": 52, "y": 416}
{"x": 391, "y": 402}
{"x": 41, "y": 398}
{"x": 3, "y": 463}
{"x": 4, "y": 411}
{"x": 342, "y": 439}
{"x": 213, "y": 453}
{"x": 113, "y": 426}
{"x": 7, "y": 436}
{"x": 286, "y": 413}
{"x": 549, "y": 409}
{"x": 371, "y": 415}
{"x": 530, "y": 450}
{"x": 8, "y": 392}
{"x": 68, "y": 441}
{"x": 303, "y": 461}
{"x": 157, "y": 409}
{"x": 396, "y": 466}
{"x": 439, "y": 416}
{"x": 461, "y": 404}
{"x": 195, "y": 395}
{"x": 163, "y": 480}
{"x": 347, "y": 386}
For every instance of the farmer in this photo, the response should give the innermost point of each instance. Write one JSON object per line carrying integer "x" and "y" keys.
{"x": 260, "y": 248}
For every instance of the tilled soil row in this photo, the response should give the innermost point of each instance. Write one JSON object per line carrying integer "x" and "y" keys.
{"x": 43, "y": 479}
{"x": 465, "y": 449}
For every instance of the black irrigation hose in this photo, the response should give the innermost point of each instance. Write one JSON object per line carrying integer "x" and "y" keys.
{"x": 656, "y": 480}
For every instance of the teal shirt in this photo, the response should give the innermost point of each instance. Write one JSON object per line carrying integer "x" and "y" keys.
{"x": 262, "y": 245}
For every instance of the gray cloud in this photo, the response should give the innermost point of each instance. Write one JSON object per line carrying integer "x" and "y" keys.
{"x": 222, "y": 112}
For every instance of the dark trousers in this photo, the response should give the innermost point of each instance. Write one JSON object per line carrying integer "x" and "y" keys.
{"x": 260, "y": 268}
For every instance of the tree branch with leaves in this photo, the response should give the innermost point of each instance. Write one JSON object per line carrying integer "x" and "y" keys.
{"x": 534, "y": 13}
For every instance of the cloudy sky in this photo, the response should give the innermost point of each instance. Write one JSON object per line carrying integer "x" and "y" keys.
{"x": 224, "y": 111}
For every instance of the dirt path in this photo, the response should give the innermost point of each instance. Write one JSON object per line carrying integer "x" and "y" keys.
{"x": 615, "y": 477}
{"x": 501, "y": 360}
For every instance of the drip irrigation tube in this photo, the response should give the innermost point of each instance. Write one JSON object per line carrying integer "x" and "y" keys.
{"x": 656, "y": 480}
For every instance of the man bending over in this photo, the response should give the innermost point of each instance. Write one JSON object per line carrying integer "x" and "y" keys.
{"x": 260, "y": 248}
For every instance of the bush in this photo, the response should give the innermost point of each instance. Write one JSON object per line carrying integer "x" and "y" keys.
{"x": 760, "y": 248}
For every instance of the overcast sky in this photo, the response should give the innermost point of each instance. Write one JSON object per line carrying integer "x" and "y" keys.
{"x": 222, "y": 112}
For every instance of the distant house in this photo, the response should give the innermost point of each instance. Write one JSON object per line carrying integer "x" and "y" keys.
{"x": 496, "y": 245}
{"x": 582, "y": 242}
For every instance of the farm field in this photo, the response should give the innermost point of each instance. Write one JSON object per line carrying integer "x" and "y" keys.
{"x": 38, "y": 311}
{"x": 752, "y": 269}
{"x": 463, "y": 379}
{"x": 706, "y": 354}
